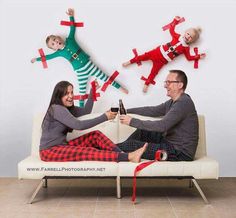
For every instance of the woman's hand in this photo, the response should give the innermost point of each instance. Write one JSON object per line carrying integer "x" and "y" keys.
{"x": 111, "y": 115}
{"x": 70, "y": 12}
{"x": 125, "y": 119}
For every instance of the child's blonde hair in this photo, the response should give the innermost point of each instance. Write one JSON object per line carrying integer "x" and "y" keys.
{"x": 197, "y": 31}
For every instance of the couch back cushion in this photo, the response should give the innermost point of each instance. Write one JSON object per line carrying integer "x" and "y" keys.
{"x": 114, "y": 130}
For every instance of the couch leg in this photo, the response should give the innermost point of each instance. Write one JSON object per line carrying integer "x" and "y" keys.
{"x": 45, "y": 183}
{"x": 190, "y": 183}
{"x": 118, "y": 187}
{"x": 35, "y": 192}
{"x": 200, "y": 191}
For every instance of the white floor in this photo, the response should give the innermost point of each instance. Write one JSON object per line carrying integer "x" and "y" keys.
{"x": 95, "y": 198}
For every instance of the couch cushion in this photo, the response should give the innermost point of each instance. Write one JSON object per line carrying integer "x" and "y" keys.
{"x": 34, "y": 168}
{"x": 202, "y": 168}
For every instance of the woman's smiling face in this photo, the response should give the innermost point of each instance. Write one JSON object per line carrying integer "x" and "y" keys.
{"x": 67, "y": 99}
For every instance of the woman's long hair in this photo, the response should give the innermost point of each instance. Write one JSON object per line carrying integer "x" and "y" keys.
{"x": 58, "y": 92}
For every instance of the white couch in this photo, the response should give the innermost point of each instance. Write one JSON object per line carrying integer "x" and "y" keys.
{"x": 203, "y": 167}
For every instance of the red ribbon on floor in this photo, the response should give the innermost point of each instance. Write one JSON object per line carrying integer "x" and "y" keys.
{"x": 160, "y": 155}
{"x": 109, "y": 81}
{"x": 94, "y": 93}
{"x": 135, "y": 55}
{"x": 196, "y": 61}
{"x": 72, "y": 23}
{"x": 43, "y": 58}
{"x": 148, "y": 81}
{"x": 166, "y": 27}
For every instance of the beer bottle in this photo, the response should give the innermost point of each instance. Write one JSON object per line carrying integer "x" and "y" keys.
{"x": 122, "y": 108}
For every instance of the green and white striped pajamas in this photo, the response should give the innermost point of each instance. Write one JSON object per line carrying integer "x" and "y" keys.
{"x": 83, "y": 74}
{"x": 80, "y": 62}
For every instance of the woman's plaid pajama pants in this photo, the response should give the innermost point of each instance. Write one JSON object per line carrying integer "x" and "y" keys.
{"x": 94, "y": 146}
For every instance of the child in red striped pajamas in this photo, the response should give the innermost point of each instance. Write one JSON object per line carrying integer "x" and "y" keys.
{"x": 61, "y": 118}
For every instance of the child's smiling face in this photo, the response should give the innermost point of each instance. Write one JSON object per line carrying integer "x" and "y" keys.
{"x": 55, "y": 43}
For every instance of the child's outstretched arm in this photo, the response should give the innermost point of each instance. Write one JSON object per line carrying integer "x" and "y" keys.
{"x": 190, "y": 57}
{"x": 70, "y": 12}
{"x": 48, "y": 57}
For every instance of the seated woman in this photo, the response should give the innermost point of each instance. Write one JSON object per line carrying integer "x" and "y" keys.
{"x": 61, "y": 118}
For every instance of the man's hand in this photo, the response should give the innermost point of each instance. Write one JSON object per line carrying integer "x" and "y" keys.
{"x": 111, "y": 115}
{"x": 125, "y": 119}
{"x": 70, "y": 12}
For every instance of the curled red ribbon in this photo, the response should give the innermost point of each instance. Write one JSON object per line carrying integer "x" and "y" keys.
{"x": 160, "y": 155}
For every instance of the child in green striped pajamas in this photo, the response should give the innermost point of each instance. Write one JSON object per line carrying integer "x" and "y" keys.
{"x": 82, "y": 65}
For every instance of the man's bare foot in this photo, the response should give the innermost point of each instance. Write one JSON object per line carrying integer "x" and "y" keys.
{"x": 145, "y": 88}
{"x": 126, "y": 64}
{"x": 135, "y": 156}
{"x": 124, "y": 90}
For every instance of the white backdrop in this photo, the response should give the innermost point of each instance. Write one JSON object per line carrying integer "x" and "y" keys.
{"x": 112, "y": 29}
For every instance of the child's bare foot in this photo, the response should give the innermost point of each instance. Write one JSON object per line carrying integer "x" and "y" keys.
{"x": 126, "y": 64}
{"x": 135, "y": 156}
{"x": 124, "y": 90}
{"x": 145, "y": 88}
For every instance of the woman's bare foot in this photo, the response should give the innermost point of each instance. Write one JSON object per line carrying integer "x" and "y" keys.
{"x": 124, "y": 90}
{"x": 145, "y": 88}
{"x": 126, "y": 64}
{"x": 135, "y": 156}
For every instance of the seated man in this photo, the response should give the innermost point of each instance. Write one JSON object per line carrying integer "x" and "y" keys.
{"x": 176, "y": 132}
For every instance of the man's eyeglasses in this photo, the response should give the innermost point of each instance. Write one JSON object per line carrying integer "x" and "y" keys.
{"x": 168, "y": 82}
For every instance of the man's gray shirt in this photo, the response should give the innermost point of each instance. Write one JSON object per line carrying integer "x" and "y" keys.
{"x": 179, "y": 123}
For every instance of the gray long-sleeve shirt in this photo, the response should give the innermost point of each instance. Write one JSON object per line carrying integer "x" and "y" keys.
{"x": 59, "y": 121}
{"x": 179, "y": 124}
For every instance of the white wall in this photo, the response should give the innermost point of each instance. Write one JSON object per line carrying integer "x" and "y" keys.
{"x": 112, "y": 29}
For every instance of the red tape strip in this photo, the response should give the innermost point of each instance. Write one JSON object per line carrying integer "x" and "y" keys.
{"x": 43, "y": 58}
{"x": 148, "y": 81}
{"x": 72, "y": 23}
{"x": 160, "y": 155}
{"x": 166, "y": 27}
{"x": 135, "y": 55}
{"x": 196, "y": 61}
{"x": 109, "y": 81}
{"x": 80, "y": 97}
{"x": 94, "y": 93}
